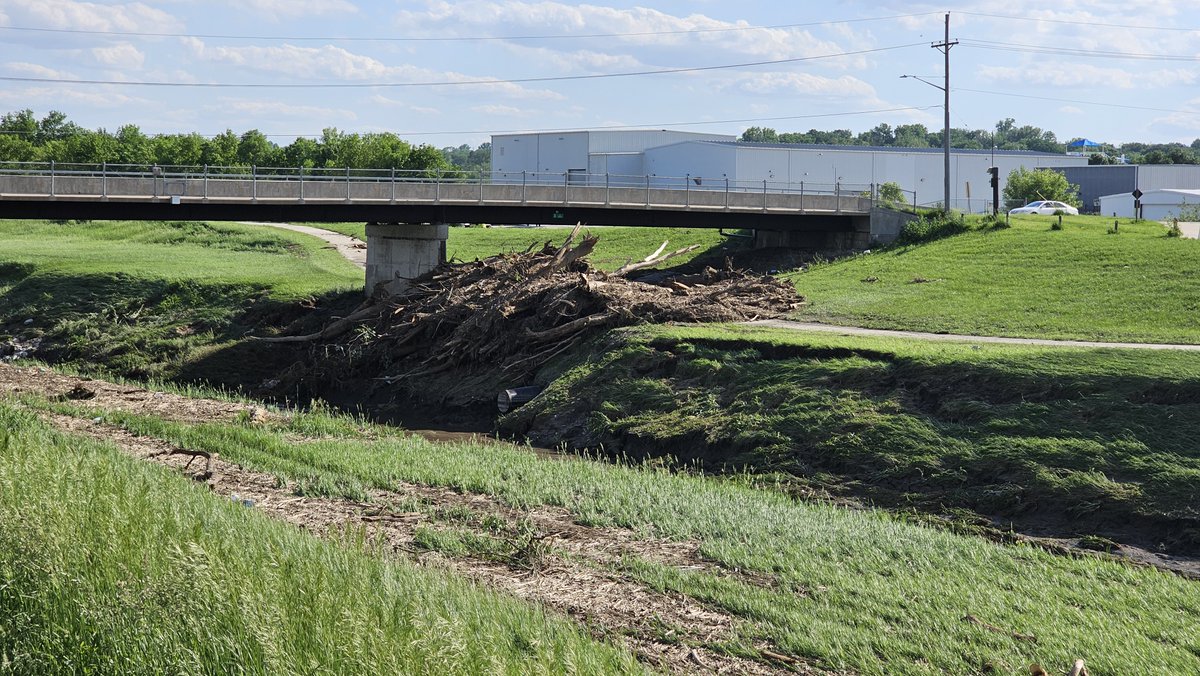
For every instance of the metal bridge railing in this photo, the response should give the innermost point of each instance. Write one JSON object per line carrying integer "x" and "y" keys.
{"x": 205, "y": 182}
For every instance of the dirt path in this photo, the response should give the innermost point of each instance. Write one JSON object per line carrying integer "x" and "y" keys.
{"x": 544, "y": 557}
{"x": 960, "y": 338}
{"x": 352, "y": 249}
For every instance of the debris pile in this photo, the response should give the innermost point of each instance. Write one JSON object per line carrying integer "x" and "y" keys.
{"x": 498, "y": 320}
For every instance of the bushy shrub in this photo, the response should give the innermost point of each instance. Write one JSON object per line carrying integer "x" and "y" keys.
{"x": 930, "y": 227}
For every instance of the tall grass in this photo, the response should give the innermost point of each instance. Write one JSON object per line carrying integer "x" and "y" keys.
{"x": 108, "y": 565}
{"x": 856, "y": 590}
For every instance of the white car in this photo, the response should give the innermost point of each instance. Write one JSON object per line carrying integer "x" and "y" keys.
{"x": 1046, "y": 208}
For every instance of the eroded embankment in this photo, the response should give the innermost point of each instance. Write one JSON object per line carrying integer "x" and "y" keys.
{"x": 1089, "y": 448}
{"x": 539, "y": 554}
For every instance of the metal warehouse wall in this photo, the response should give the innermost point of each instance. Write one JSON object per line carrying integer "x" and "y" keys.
{"x": 1097, "y": 181}
{"x": 822, "y": 167}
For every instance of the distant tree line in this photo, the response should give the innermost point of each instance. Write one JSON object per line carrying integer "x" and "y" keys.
{"x": 26, "y": 138}
{"x": 1005, "y": 136}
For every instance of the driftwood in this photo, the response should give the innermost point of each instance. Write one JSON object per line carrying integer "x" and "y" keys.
{"x": 653, "y": 260}
{"x": 209, "y": 460}
{"x": 494, "y": 322}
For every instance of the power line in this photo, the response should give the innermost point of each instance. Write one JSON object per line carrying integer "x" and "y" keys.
{"x": 658, "y": 125}
{"x": 475, "y": 38}
{"x": 1073, "y": 22}
{"x": 1071, "y": 51}
{"x": 445, "y": 83}
{"x": 1086, "y": 103}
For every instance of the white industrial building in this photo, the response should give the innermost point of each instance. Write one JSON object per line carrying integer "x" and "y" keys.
{"x": 718, "y": 162}
{"x": 1157, "y": 205}
{"x": 583, "y": 155}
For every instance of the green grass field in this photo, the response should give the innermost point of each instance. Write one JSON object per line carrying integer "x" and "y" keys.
{"x": 1027, "y": 280}
{"x": 618, "y": 245}
{"x": 111, "y": 565}
{"x": 1077, "y": 442}
{"x": 851, "y": 589}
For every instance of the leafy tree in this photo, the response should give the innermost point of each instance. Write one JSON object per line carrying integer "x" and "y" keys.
{"x": 179, "y": 149}
{"x": 303, "y": 152}
{"x": 384, "y": 151}
{"x": 912, "y": 136}
{"x": 222, "y": 150}
{"x": 426, "y": 159}
{"x": 891, "y": 192}
{"x": 133, "y": 146}
{"x": 55, "y": 127}
{"x": 256, "y": 150}
{"x": 1028, "y": 185}
{"x": 759, "y": 135}
{"x": 1101, "y": 158}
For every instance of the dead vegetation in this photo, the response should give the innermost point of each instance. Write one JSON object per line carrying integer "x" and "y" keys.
{"x": 496, "y": 321}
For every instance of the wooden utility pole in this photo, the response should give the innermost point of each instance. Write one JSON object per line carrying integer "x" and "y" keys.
{"x": 945, "y": 46}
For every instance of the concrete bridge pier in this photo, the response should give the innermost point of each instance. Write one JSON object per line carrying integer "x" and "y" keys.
{"x": 397, "y": 253}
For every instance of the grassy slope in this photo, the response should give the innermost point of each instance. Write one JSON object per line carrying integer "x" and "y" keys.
{"x": 110, "y": 565}
{"x": 1080, "y": 442}
{"x": 856, "y": 590}
{"x": 1027, "y": 280}
{"x": 146, "y": 299}
{"x": 617, "y": 245}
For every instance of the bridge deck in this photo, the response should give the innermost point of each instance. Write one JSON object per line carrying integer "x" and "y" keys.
{"x": 187, "y": 196}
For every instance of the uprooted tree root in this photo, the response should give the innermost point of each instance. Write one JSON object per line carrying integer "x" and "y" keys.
{"x": 498, "y": 320}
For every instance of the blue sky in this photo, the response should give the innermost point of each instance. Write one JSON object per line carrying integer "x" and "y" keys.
{"x": 1047, "y": 64}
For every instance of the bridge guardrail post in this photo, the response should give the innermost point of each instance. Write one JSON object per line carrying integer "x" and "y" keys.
{"x": 837, "y": 196}
{"x": 300, "y": 174}
{"x": 51, "y": 179}
{"x": 524, "y": 199}
{"x": 104, "y": 181}
{"x": 726, "y": 193}
{"x": 801, "y": 196}
{"x": 687, "y": 191}
{"x": 647, "y": 191}
{"x": 566, "y": 181}
{"x": 764, "y": 208}
{"x": 437, "y": 187}
{"x": 347, "y": 182}
{"x": 206, "y": 183}
{"x": 481, "y": 187}
{"x": 253, "y": 183}
{"x": 606, "y": 194}
{"x": 393, "y": 200}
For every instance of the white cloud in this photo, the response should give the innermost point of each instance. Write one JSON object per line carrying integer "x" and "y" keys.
{"x": 56, "y": 97}
{"x": 1062, "y": 74}
{"x": 122, "y": 55}
{"x": 844, "y": 87}
{"x": 334, "y": 63}
{"x": 403, "y": 105}
{"x": 72, "y": 15}
{"x": 26, "y": 69}
{"x": 506, "y": 17}
{"x": 290, "y": 9}
{"x": 575, "y": 61}
{"x": 275, "y": 109}
{"x": 496, "y": 109}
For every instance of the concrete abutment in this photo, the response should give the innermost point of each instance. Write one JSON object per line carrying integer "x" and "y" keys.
{"x": 397, "y": 253}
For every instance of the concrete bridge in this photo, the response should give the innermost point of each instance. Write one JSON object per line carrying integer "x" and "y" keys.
{"x": 408, "y": 210}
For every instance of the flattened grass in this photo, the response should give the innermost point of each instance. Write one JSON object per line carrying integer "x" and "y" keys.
{"x": 109, "y": 565}
{"x": 1078, "y": 283}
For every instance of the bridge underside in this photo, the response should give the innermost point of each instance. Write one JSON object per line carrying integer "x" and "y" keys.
{"x": 332, "y": 212}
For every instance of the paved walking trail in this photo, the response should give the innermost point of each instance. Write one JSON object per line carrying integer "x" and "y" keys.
{"x": 355, "y": 251}
{"x": 352, "y": 249}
